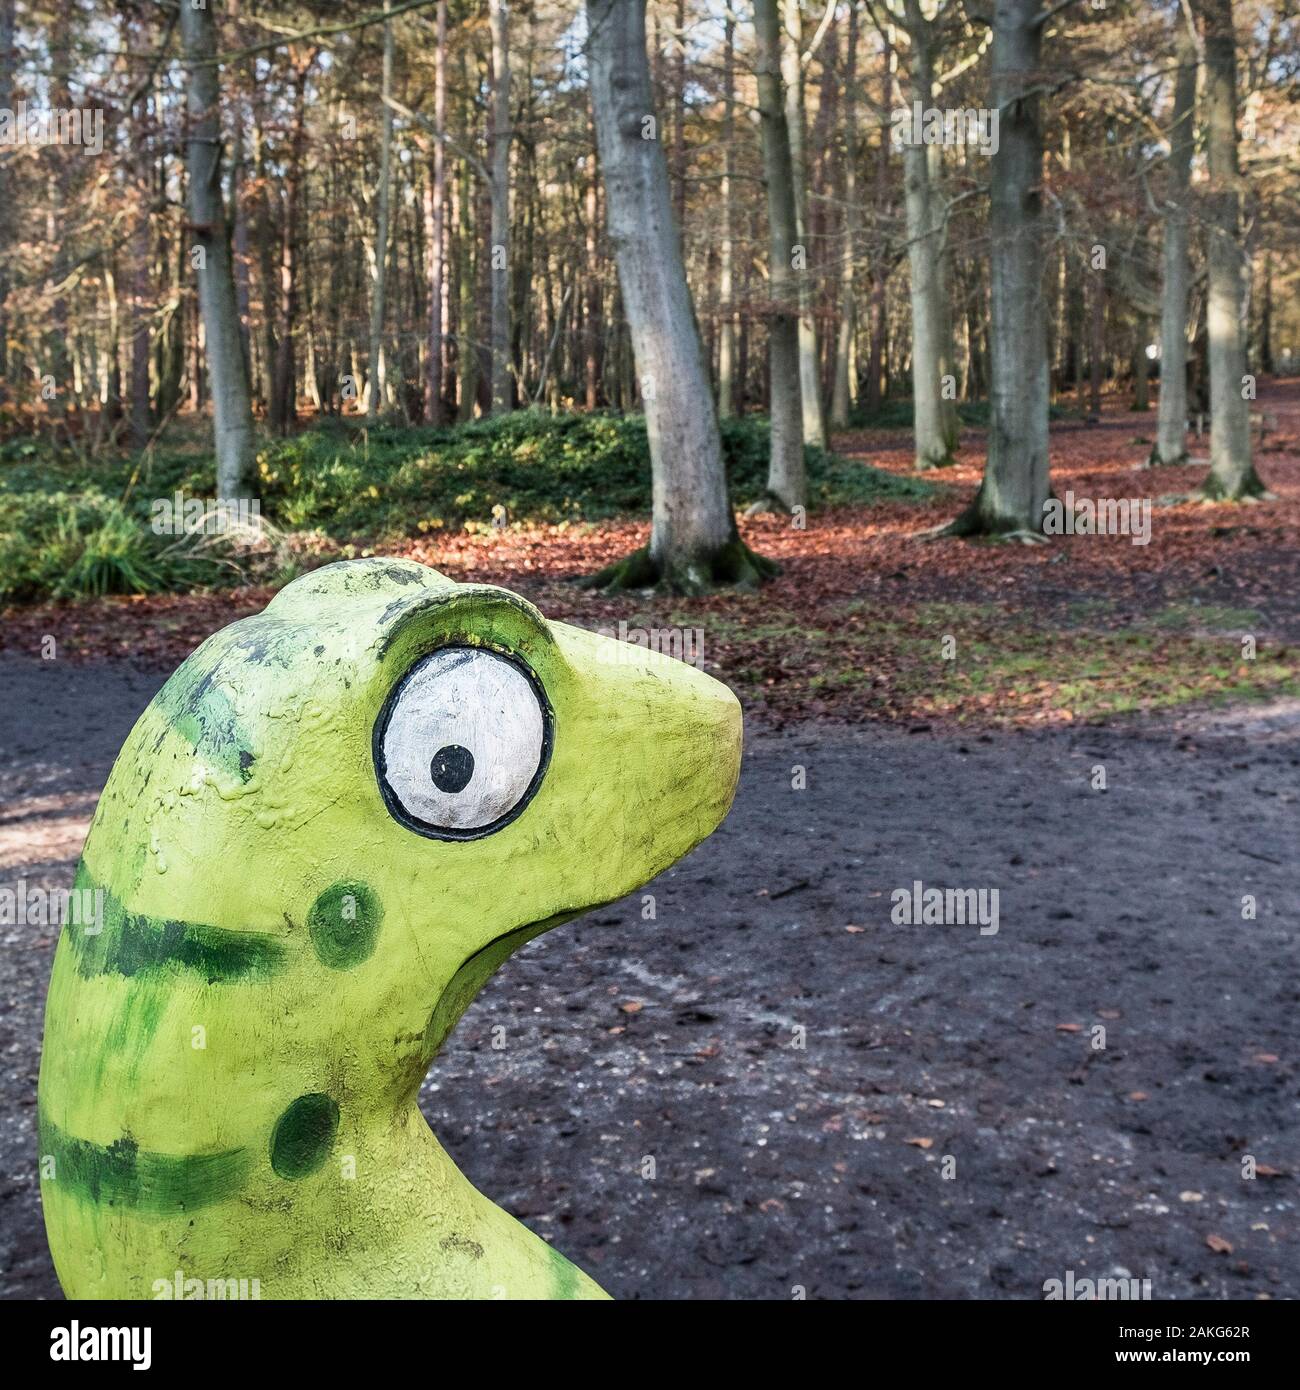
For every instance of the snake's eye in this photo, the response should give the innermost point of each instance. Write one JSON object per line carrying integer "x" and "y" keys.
{"x": 462, "y": 743}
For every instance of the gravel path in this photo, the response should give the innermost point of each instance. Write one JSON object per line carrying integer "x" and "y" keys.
{"x": 947, "y": 1129}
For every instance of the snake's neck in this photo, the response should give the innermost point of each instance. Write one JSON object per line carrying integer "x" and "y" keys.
{"x": 443, "y": 1239}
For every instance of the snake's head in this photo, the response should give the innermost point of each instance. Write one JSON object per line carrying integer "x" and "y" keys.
{"x": 406, "y": 778}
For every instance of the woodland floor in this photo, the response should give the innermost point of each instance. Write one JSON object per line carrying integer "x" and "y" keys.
{"x": 1083, "y": 628}
{"x": 821, "y": 1167}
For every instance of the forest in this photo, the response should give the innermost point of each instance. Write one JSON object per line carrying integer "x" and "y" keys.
{"x": 925, "y": 371}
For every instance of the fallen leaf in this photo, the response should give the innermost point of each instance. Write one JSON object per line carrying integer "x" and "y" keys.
{"x": 1219, "y": 1245}
{"x": 920, "y": 1143}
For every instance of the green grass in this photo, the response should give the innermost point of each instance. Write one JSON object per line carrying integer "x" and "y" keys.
{"x": 539, "y": 467}
{"x": 68, "y": 528}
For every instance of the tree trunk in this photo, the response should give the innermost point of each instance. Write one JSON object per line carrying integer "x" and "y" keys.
{"x": 933, "y": 426}
{"x": 592, "y": 334}
{"x": 1096, "y": 343}
{"x": 231, "y": 401}
{"x": 679, "y": 116}
{"x": 268, "y": 348}
{"x": 841, "y": 391}
{"x": 374, "y": 386}
{"x": 467, "y": 358}
{"x": 7, "y": 218}
{"x": 284, "y": 398}
{"x": 791, "y": 53}
{"x": 693, "y": 540}
{"x": 1232, "y": 474}
{"x": 786, "y": 481}
{"x": 1171, "y": 426}
{"x": 436, "y": 193}
{"x": 1015, "y": 486}
{"x": 140, "y": 252}
{"x": 501, "y": 133}
{"x": 1141, "y": 365}
{"x": 726, "y": 250}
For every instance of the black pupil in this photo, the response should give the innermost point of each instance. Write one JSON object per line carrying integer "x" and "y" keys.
{"x": 451, "y": 768}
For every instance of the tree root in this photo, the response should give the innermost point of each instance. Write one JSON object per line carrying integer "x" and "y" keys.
{"x": 1250, "y": 489}
{"x": 733, "y": 565}
{"x": 973, "y": 523}
{"x": 1155, "y": 461}
{"x": 769, "y": 504}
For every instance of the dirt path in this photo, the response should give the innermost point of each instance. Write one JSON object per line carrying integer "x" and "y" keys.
{"x": 778, "y": 1166}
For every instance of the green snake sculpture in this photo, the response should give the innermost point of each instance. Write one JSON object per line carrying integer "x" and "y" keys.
{"x": 328, "y": 829}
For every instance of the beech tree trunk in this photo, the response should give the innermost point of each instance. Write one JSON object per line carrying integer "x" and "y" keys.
{"x": 842, "y": 388}
{"x": 726, "y": 273}
{"x": 231, "y": 400}
{"x": 1015, "y": 484}
{"x": 7, "y": 55}
{"x": 1232, "y": 473}
{"x": 934, "y": 426}
{"x": 284, "y": 389}
{"x": 1096, "y": 342}
{"x": 374, "y": 387}
{"x": 1141, "y": 364}
{"x": 436, "y": 214}
{"x": 810, "y": 391}
{"x": 693, "y": 540}
{"x": 1171, "y": 424}
{"x": 786, "y": 481}
{"x": 502, "y": 394}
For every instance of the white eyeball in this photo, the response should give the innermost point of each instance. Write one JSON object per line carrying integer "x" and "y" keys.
{"x": 462, "y": 743}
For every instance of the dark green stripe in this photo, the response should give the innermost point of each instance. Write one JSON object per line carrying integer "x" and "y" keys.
{"x": 122, "y": 1175}
{"x": 133, "y": 943}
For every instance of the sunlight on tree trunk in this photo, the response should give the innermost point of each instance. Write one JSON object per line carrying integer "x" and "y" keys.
{"x": 694, "y": 543}
{"x": 374, "y": 387}
{"x": 1015, "y": 485}
{"x": 786, "y": 480}
{"x": 231, "y": 400}
{"x": 502, "y": 386}
{"x": 1171, "y": 432}
{"x": 791, "y": 62}
{"x": 1232, "y": 474}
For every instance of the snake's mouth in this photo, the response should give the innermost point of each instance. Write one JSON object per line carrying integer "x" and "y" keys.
{"x": 477, "y": 969}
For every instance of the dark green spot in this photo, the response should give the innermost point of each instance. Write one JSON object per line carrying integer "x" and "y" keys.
{"x": 344, "y": 923}
{"x": 121, "y": 1174}
{"x": 304, "y": 1135}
